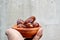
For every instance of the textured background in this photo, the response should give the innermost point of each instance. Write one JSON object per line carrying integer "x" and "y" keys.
{"x": 47, "y": 13}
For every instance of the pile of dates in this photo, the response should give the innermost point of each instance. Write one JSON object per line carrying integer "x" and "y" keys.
{"x": 28, "y": 23}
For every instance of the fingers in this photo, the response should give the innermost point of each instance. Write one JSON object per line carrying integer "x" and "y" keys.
{"x": 13, "y": 34}
{"x": 39, "y": 34}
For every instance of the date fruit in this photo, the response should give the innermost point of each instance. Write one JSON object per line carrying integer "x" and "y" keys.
{"x": 30, "y": 20}
{"x": 29, "y": 25}
{"x": 21, "y": 26}
{"x": 35, "y": 24}
{"x": 19, "y": 21}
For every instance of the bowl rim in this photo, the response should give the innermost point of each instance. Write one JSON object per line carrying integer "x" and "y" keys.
{"x": 15, "y": 27}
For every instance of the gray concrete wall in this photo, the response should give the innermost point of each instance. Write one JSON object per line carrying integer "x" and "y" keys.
{"x": 46, "y": 11}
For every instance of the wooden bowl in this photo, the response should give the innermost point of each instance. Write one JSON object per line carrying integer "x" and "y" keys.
{"x": 26, "y": 32}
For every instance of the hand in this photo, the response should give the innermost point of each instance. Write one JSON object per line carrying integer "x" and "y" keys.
{"x": 13, "y": 34}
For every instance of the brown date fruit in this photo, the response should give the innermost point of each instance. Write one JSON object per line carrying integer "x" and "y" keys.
{"x": 35, "y": 24}
{"x": 19, "y": 21}
{"x": 30, "y": 20}
{"x": 21, "y": 26}
{"x": 29, "y": 25}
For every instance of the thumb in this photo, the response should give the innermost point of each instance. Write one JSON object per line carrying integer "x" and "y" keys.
{"x": 38, "y": 35}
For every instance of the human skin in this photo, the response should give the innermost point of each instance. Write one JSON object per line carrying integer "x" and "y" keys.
{"x": 13, "y": 34}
